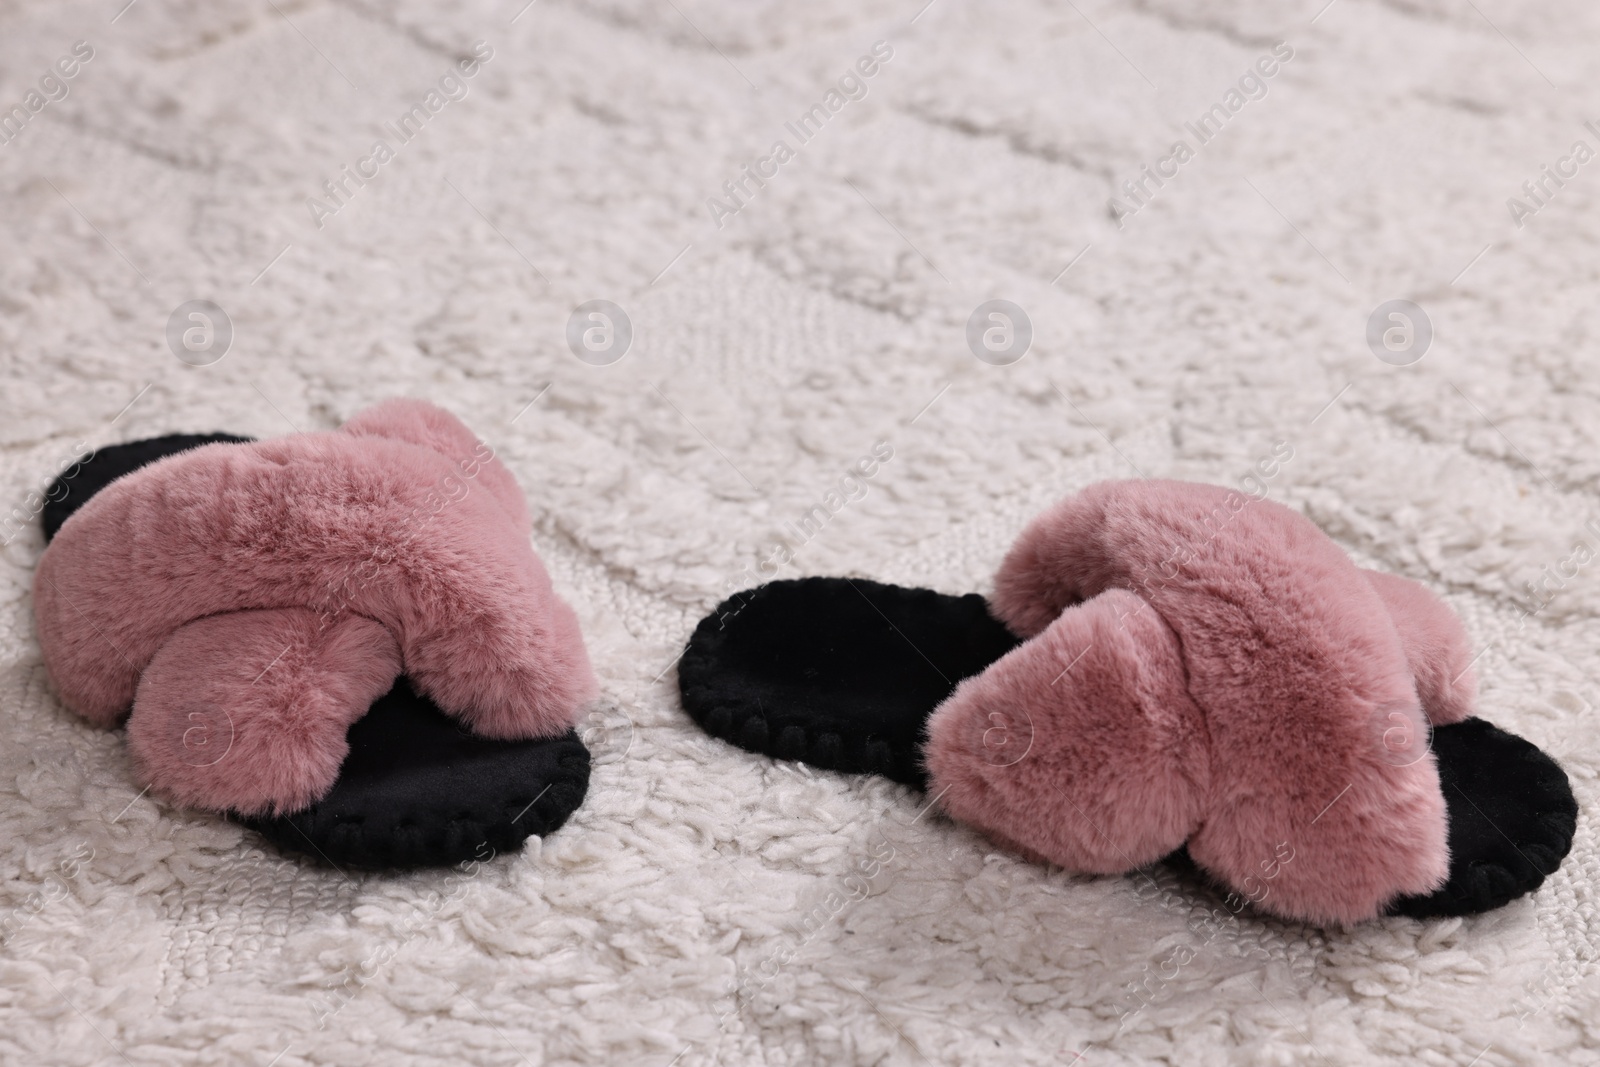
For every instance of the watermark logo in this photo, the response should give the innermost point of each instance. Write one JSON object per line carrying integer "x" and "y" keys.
{"x": 850, "y": 87}
{"x": 1554, "y": 577}
{"x": 1404, "y": 736}
{"x": 452, "y": 87}
{"x": 199, "y": 332}
{"x": 208, "y": 737}
{"x": 1008, "y": 739}
{"x": 53, "y": 86}
{"x": 999, "y": 332}
{"x": 1252, "y": 85}
{"x": 607, "y": 732}
{"x": 599, "y": 332}
{"x": 1541, "y": 190}
{"x": 793, "y": 535}
{"x": 1399, "y": 332}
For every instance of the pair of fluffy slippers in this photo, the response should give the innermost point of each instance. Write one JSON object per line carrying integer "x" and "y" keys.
{"x": 346, "y": 641}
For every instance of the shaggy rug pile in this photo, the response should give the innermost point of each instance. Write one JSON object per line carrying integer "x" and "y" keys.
{"x": 793, "y": 212}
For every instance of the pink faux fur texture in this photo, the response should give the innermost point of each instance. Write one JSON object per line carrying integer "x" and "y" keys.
{"x": 1210, "y": 669}
{"x": 215, "y": 731}
{"x": 286, "y": 583}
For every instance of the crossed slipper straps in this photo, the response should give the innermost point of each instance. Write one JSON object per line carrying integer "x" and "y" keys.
{"x": 344, "y": 640}
{"x": 1170, "y": 671}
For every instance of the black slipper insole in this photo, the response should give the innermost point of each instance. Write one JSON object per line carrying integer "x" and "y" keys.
{"x": 840, "y": 673}
{"x": 843, "y": 674}
{"x": 417, "y": 789}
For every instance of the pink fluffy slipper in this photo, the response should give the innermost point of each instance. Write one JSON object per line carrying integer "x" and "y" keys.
{"x": 344, "y": 639}
{"x": 1165, "y": 671}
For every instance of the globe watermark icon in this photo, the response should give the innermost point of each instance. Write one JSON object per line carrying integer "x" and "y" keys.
{"x": 1399, "y": 332}
{"x": 199, "y": 332}
{"x": 599, "y": 332}
{"x": 999, "y": 332}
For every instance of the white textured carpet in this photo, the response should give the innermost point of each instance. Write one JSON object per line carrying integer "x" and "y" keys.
{"x": 827, "y": 314}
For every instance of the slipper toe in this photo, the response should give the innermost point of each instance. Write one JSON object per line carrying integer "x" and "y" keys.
{"x": 1512, "y": 820}
{"x": 418, "y": 790}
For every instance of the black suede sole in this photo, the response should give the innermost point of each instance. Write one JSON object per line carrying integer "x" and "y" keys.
{"x": 843, "y": 674}
{"x": 417, "y": 789}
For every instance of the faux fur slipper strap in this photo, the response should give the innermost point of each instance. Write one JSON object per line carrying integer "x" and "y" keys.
{"x": 1206, "y": 669}
{"x": 284, "y": 585}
